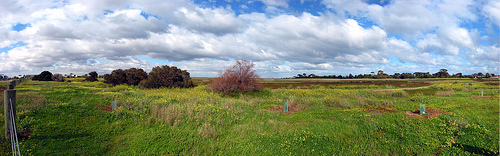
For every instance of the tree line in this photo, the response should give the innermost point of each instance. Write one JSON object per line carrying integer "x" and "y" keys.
{"x": 442, "y": 73}
{"x": 240, "y": 77}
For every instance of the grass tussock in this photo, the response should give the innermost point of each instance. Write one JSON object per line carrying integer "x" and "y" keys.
{"x": 445, "y": 93}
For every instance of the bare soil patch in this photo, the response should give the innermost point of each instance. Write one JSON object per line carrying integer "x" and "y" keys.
{"x": 292, "y": 107}
{"x": 430, "y": 113}
{"x": 105, "y": 108}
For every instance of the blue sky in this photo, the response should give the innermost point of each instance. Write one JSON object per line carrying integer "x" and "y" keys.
{"x": 282, "y": 37}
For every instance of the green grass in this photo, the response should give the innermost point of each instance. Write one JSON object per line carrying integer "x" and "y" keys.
{"x": 345, "y": 120}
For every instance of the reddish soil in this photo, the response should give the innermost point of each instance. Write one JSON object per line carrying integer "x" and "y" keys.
{"x": 105, "y": 108}
{"x": 292, "y": 107}
{"x": 430, "y": 113}
{"x": 25, "y": 134}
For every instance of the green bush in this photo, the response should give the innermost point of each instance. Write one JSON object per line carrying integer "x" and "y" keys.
{"x": 166, "y": 76}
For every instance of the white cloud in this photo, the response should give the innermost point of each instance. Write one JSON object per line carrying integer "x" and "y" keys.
{"x": 218, "y": 21}
{"x": 315, "y": 39}
{"x": 281, "y": 3}
{"x": 492, "y": 11}
{"x": 350, "y": 37}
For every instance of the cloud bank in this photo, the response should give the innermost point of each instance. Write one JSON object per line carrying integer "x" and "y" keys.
{"x": 279, "y": 36}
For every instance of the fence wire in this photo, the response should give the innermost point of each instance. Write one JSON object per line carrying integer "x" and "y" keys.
{"x": 13, "y": 132}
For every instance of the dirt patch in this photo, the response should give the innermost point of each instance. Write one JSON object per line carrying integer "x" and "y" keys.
{"x": 430, "y": 113}
{"x": 105, "y": 108}
{"x": 292, "y": 107}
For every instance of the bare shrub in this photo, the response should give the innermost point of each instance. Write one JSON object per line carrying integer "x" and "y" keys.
{"x": 239, "y": 78}
{"x": 58, "y": 77}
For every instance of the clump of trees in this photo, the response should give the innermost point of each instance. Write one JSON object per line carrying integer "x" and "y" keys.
{"x": 238, "y": 78}
{"x": 92, "y": 77}
{"x": 164, "y": 76}
{"x": 130, "y": 76}
{"x": 43, "y": 76}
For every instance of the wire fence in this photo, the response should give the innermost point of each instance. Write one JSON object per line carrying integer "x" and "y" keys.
{"x": 13, "y": 132}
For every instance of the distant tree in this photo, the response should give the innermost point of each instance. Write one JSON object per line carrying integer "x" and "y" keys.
{"x": 488, "y": 75}
{"x": 380, "y": 72}
{"x": 480, "y": 74}
{"x": 443, "y": 73}
{"x": 92, "y": 76}
{"x": 45, "y": 76}
{"x": 58, "y": 77}
{"x": 350, "y": 76}
{"x": 240, "y": 77}
{"x": 166, "y": 76}
{"x": 407, "y": 76}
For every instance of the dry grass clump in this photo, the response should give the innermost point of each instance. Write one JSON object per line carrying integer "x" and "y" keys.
{"x": 445, "y": 93}
{"x": 397, "y": 93}
{"x": 337, "y": 102}
{"x": 167, "y": 114}
{"x": 207, "y": 130}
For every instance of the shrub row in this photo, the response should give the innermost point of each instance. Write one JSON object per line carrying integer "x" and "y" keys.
{"x": 163, "y": 76}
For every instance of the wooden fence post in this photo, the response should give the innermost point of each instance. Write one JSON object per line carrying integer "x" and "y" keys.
{"x": 9, "y": 95}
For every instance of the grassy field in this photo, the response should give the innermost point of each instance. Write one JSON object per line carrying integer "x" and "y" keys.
{"x": 346, "y": 117}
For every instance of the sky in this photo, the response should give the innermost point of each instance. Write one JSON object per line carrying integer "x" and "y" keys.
{"x": 282, "y": 37}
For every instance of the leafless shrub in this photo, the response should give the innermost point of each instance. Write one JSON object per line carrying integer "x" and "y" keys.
{"x": 58, "y": 77}
{"x": 239, "y": 78}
